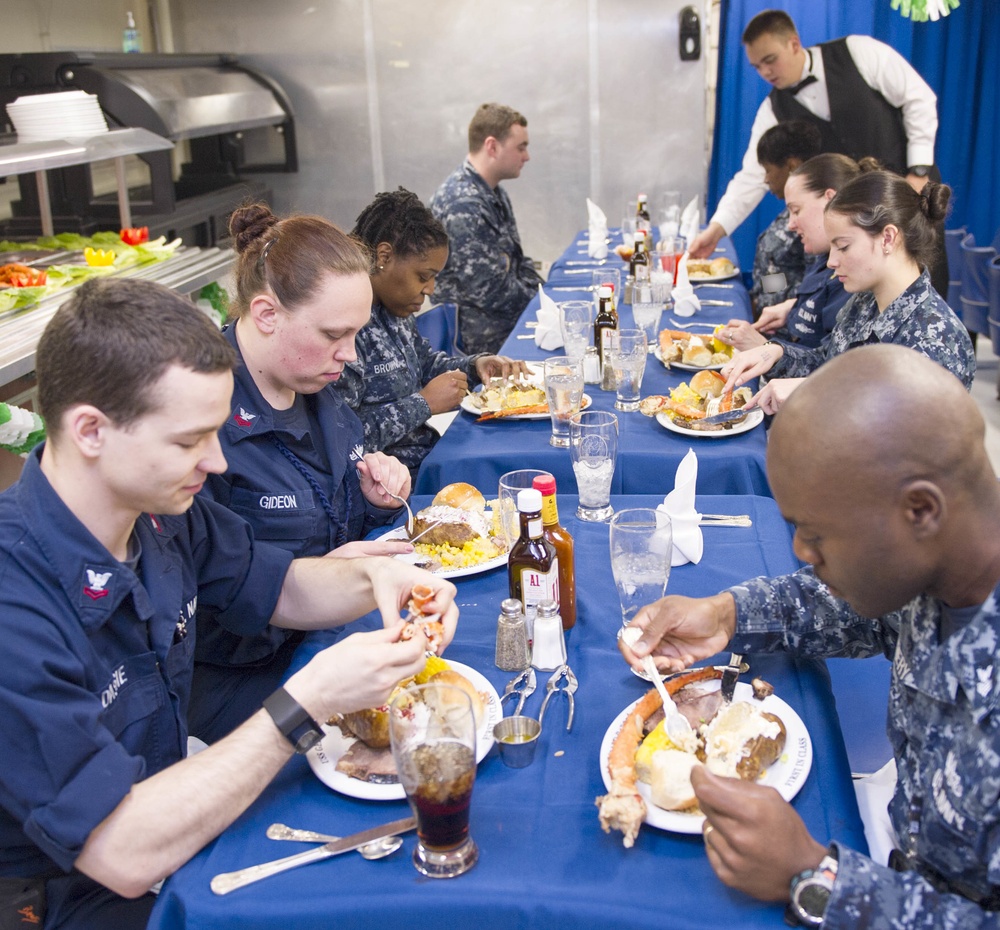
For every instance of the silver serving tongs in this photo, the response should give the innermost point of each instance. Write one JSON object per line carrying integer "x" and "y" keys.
{"x": 730, "y": 676}
{"x": 522, "y": 685}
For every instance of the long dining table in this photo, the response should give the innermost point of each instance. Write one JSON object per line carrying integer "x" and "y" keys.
{"x": 544, "y": 860}
{"x": 648, "y": 453}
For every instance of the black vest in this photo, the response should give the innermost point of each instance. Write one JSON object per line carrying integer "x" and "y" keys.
{"x": 862, "y": 122}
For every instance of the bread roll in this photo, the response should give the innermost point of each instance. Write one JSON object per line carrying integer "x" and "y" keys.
{"x": 720, "y": 266}
{"x": 696, "y": 354}
{"x": 461, "y": 495}
{"x": 450, "y": 677}
{"x": 708, "y": 383}
{"x": 670, "y": 784}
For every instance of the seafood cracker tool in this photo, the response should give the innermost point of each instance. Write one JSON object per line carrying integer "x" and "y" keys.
{"x": 522, "y": 685}
{"x": 553, "y": 685}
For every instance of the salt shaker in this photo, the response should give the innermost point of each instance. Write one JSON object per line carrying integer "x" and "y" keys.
{"x": 549, "y": 649}
{"x": 591, "y": 366}
{"x": 512, "y": 653}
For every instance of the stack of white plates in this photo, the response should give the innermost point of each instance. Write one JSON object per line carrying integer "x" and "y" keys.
{"x": 65, "y": 115}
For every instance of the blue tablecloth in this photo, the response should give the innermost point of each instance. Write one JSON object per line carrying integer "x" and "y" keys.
{"x": 544, "y": 861}
{"x": 648, "y": 454}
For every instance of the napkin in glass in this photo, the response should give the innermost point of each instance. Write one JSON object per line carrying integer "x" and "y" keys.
{"x": 685, "y": 521}
{"x": 691, "y": 219}
{"x": 686, "y": 303}
{"x": 548, "y": 333}
{"x": 597, "y": 246}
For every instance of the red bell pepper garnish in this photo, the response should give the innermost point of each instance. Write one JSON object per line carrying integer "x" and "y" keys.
{"x": 135, "y": 234}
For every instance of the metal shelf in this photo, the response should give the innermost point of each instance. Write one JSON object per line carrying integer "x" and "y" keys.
{"x": 39, "y": 157}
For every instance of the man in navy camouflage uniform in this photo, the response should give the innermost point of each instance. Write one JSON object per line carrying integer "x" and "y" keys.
{"x": 487, "y": 275}
{"x": 878, "y": 461}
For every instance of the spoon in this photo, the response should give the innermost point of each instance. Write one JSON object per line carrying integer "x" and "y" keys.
{"x": 677, "y": 725}
{"x": 377, "y": 850}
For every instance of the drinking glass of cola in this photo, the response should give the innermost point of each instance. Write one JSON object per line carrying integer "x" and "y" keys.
{"x": 432, "y": 729}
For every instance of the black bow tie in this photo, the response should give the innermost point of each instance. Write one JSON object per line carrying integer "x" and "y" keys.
{"x": 805, "y": 82}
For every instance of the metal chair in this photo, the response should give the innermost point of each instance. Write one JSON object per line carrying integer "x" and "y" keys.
{"x": 974, "y": 296}
{"x": 439, "y": 326}
{"x": 952, "y": 248}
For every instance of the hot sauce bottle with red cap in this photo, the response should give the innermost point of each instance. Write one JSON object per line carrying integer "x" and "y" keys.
{"x": 561, "y": 539}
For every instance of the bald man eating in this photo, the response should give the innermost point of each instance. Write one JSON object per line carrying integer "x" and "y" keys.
{"x": 878, "y": 461}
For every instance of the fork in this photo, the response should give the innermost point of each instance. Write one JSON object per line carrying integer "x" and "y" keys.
{"x": 677, "y": 325}
{"x": 409, "y": 513}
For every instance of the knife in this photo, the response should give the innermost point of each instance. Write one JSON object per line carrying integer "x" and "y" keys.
{"x": 729, "y": 415}
{"x": 230, "y": 881}
{"x": 730, "y": 675}
{"x": 716, "y": 303}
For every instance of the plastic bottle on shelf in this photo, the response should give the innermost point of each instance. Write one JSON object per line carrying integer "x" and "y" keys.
{"x": 560, "y": 537}
{"x": 130, "y": 35}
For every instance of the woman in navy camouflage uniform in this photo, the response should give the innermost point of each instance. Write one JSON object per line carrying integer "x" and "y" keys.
{"x": 398, "y": 381}
{"x": 780, "y": 263}
{"x": 882, "y": 236}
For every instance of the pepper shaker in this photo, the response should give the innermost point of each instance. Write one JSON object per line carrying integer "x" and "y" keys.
{"x": 512, "y": 654}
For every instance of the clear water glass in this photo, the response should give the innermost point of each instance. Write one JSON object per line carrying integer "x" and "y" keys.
{"x": 576, "y": 321}
{"x": 510, "y": 484}
{"x": 627, "y": 357}
{"x": 641, "y": 541}
{"x": 564, "y": 394}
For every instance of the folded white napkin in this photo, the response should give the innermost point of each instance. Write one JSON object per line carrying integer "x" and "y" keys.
{"x": 691, "y": 219}
{"x": 548, "y": 333}
{"x": 597, "y": 245}
{"x": 685, "y": 521}
{"x": 874, "y": 794}
{"x": 686, "y": 302}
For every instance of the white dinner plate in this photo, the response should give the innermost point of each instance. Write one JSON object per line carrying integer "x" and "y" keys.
{"x": 469, "y": 407}
{"x": 701, "y": 278}
{"x": 683, "y": 366}
{"x": 787, "y": 775}
{"x": 400, "y": 533}
{"x": 754, "y": 418}
{"x": 323, "y": 757}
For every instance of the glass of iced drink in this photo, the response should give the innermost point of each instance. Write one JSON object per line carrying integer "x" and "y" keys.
{"x": 593, "y": 449}
{"x": 627, "y": 357}
{"x": 576, "y": 322}
{"x": 641, "y": 542}
{"x": 432, "y": 729}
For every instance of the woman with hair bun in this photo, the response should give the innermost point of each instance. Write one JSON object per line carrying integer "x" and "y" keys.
{"x": 297, "y": 471}
{"x": 882, "y": 237}
{"x": 398, "y": 380}
{"x": 806, "y": 318}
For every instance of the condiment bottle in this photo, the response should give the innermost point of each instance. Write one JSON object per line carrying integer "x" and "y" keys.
{"x": 606, "y": 320}
{"x": 643, "y": 221}
{"x": 513, "y": 654}
{"x": 560, "y": 537}
{"x": 549, "y": 649}
{"x": 532, "y": 566}
{"x": 639, "y": 263}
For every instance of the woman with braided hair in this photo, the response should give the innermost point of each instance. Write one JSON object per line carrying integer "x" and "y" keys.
{"x": 398, "y": 380}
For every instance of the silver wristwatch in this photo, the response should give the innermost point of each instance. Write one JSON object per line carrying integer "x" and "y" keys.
{"x": 810, "y": 893}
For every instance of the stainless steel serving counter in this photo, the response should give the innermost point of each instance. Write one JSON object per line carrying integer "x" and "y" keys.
{"x": 186, "y": 271}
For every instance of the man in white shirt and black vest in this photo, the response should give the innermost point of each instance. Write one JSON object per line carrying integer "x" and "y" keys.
{"x": 864, "y": 97}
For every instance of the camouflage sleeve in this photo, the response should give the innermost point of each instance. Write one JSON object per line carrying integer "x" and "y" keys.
{"x": 943, "y": 339}
{"x": 489, "y": 280}
{"x": 867, "y": 895}
{"x": 387, "y": 423}
{"x": 797, "y": 613}
{"x": 800, "y": 361}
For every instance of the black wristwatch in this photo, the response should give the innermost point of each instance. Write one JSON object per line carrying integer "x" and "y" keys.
{"x": 810, "y": 893}
{"x": 293, "y": 720}
{"x": 921, "y": 171}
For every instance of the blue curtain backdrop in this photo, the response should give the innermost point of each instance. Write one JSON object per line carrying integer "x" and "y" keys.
{"x": 959, "y": 56}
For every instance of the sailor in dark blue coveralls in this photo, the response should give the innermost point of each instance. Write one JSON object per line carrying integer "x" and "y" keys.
{"x": 106, "y": 554}
{"x": 806, "y": 319}
{"x": 398, "y": 381}
{"x": 297, "y": 470}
